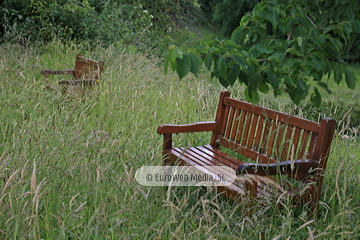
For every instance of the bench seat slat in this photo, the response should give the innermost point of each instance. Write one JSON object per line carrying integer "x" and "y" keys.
{"x": 203, "y": 156}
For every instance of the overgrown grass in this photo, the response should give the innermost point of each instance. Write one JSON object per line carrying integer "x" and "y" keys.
{"x": 68, "y": 160}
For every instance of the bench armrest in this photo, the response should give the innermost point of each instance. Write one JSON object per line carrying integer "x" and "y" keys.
{"x": 187, "y": 128}
{"x": 286, "y": 167}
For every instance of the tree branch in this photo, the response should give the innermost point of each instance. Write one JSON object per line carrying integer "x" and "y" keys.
{"x": 314, "y": 23}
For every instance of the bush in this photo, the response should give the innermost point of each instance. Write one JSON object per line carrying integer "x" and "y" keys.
{"x": 145, "y": 25}
{"x": 226, "y": 14}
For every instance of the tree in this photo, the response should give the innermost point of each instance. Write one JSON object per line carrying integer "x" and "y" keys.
{"x": 279, "y": 45}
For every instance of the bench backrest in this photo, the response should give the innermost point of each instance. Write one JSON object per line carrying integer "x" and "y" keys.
{"x": 87, "y": 69}
{"x": 268, "y": 136}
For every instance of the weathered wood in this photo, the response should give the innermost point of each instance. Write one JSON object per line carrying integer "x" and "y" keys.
{"x": 274, "y": 143}
{"x": 85, "y": 72}
{"x": 196, "y": 127}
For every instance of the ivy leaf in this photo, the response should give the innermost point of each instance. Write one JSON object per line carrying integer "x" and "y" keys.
{"x": 350, "y": 78}
{"x": 183, "y": 65}
{"x": 316, "y": 98}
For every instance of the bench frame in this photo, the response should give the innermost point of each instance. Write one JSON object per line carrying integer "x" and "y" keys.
{"x": 277, "y": 144}
{"x": 85, "y": 72}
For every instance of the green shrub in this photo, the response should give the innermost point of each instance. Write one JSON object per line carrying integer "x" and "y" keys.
{"x": 142, "y": 26}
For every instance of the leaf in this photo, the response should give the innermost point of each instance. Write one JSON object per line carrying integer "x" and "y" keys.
{"x": 332, "y": 49}
{"x": 236, "y": 34}
{"x": 243, "y": 77}
{"x": 261, "y": 48}
{"x": 316, "y": 98}
{"x": 239, "y": 59}
{"x": 166, "y": 65}
{"x": 273, "y": 80}
{"x": 263, "y": 87}
{"x": 350, "y": 78}
{"x": 222, "y": 67}
{"x": 338, "y": 74}
{"x": 325, "y": 87}
{"x": 175, "y": 53}
{"x": 251, "y": 95}
{"x": 300, "y": 41}
{"x": 223, "y": 82}
{"x": 195, "y": 62}
{"x": 233, "y": 74}
{"x": 183, "y": 65}
{"x": 318, "y": 61}
{"x": 355, "y": 25}
{"x": 208, "y": 61}
{"x": 293, "y": 51}
{"x": 274, "y": 18}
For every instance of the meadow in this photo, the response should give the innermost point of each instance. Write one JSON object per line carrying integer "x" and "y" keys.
{"x": 68, "y": 159}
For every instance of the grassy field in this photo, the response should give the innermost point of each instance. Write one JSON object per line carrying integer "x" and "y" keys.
{"x": 68, "y": 160}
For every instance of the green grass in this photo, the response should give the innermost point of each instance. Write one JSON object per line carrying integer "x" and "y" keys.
{"x": 68, "y": 160}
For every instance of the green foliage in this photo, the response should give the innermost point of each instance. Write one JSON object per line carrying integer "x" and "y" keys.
{"x": 280, "y": 45}
{"x": 226, "y": 14}
{"x": 145, "y": 25}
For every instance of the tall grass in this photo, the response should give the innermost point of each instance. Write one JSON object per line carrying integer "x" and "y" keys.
{"x": 68, "y": 159}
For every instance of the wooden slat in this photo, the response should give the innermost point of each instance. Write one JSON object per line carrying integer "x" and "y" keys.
{"x": 251, "y": 137}
{"x": 279, "y": 141}
{"x": 259, "y": 133}
{"x": 285, "y": 150}
{"x": 273, "y": 115}
{"x": 304, "y": 142}
{"x": 232, "y": 161}
{"x": 264, "y": 138}
{"x": 236, "y": 125}
{"x": 187, "y": 128}
{"x": 246, "y": 129}
{"x": 219, "y": 118}
{"x": 272, "y": 134}
{"x": 190, "y": 157}
{"x": 224, "y": 121}
{"x": 205, "y": 160}
{"x": 230, "y": 122}
{"x": 254, "y": 155}
{"x": 241, "y": 126}
{"x": 312, "y": 146}
{"x": 221, "y": 156}
{"x": 296, "y": 139}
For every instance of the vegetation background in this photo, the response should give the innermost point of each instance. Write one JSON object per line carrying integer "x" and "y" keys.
{"x": 68, "y": 160}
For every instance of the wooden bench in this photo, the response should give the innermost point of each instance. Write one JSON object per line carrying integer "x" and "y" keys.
{"x": 269, "y": 142}
{"x": 85, "y": 72}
